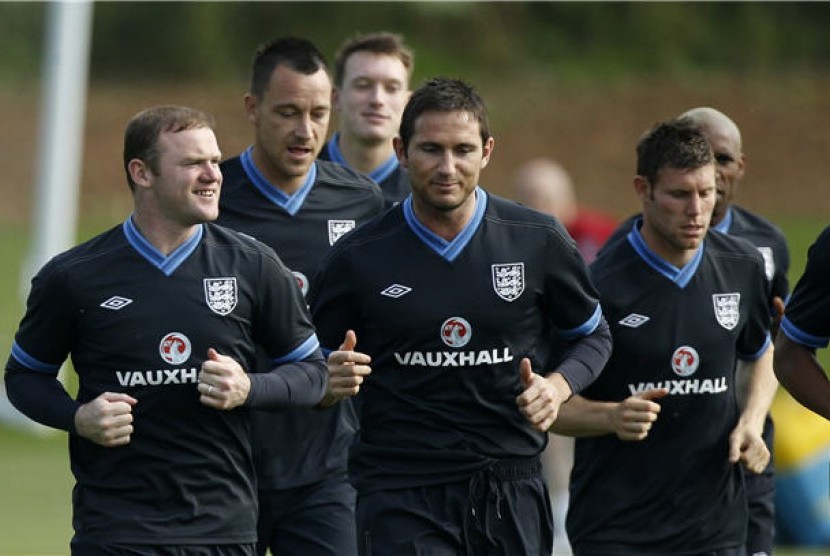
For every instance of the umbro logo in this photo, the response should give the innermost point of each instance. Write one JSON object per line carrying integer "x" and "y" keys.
{"x": 116, "y": 303}
{"x": 634, "y": 320}
{"x": 396, "y": 290}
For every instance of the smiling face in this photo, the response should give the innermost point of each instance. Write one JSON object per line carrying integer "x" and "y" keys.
{"x": 291, "y": 120}
{"x": 677, "y": 210}
{"x": 444, "y": 157}
{"x": 373, "y": 96}
{"x": 184, "y": 189}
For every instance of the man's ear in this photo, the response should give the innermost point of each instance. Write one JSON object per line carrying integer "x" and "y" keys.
{"x": 139, "y": 172}
{"x": 400, "y": 152}
{"x": 741, "y": 166}
{"x": 251, "y": 108}
{"x": 487, "y": 151}
{"x": 335, "y": 97}
{"x": 641, "y": 187}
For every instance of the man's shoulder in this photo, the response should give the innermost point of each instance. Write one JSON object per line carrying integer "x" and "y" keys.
{"x": 233, "y": 177}
{"x": 231, "y": 167}
{"x": 381, "y": 228}
{"x": 746, "y": 221}
{"x": 222, "y": 237}
{"x": 615, "y": 258}
{"x": 508, "y": 211}
{"x": 728, "y": 246}
{"x": 102, "y": 244}
{"x": 336, "y": 174}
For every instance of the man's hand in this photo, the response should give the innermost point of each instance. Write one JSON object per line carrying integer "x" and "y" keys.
{"x": 747, "y": 446}
{"x": 107, "y": 420}
{"x": 347, "y": 369}
{"x": 777, "y": 315}
{"x": 633, "y": 417}
{"x": 223, "y": 383}
{"x": 542, "y": 396}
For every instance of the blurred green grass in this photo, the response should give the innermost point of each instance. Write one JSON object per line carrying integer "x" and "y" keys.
{"x": 35, "y": 481}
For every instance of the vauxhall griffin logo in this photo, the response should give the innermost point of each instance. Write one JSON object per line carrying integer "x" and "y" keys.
{"x": 509, "y": 280}
{"x": 174, "y": 348}
{"x": 685, "y": 361}
{"x": 456, "y": 332}
{"x": 727, "y": 309}
{"x": 220, "y": 295}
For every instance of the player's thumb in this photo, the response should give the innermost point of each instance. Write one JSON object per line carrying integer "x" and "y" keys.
{"x": 526, "y": 372}
{"x": 653, "y": 394}
{"x": 119, "y": 397}
{"x": 349, "y": 342}
{"x": 735, "y": 450}
{"x": 214, "y": 355}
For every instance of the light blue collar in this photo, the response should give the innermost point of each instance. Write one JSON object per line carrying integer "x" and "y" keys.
{"x": 290, "y": 203}
{"x": 724, "y": 225}
{"x": 679, "y": 276}
{"x": 166, "y": 263}
{"x": 449, "y": 250}
{"x": 377, "y": 175}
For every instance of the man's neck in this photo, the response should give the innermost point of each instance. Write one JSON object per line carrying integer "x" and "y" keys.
{"x": 164, "y": 235}
{"x": 288, "y": 185}
{"x": 364, "y": 156}
{"x": 446, "y": 224}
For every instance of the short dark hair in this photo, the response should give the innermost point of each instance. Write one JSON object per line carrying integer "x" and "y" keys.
{"x": 143, "y": 131}
{"x": 677, "y": 143}
{"x": 377, "y": 43}
{"x": 298, "y": 54}
{"x": 443, "y": 94}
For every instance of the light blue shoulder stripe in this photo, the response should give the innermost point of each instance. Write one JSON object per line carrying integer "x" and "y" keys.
{"x": 800, "y": 337}
{"x": 290, "y": 203}
{"x": 586, "y": 328}
{"x": 167, "y": 264}
{"x": 757, "y": 354}
{"x": 449, "y": 250}
{"x": 31, "y": 363}
{"x": 301, "y": 352}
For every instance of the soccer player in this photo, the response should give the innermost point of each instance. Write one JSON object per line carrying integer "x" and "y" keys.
{"x": 683, "y": 398}
{"x": 451, "y": 296}
{"x": 279, "y": 193}
{"x": 729, "y": 218}
{"x": 371, "y": 87}
{"x": 806, "y": 328}
{"x": 163, "y": 316}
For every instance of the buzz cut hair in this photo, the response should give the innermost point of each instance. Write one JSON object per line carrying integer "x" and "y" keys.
{"x": 293, "y": 52}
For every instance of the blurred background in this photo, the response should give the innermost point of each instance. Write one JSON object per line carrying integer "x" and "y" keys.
{"x": 578, "y": 82}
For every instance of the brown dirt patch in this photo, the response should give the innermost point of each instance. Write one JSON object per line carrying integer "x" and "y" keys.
{"x": 591, "y": 129}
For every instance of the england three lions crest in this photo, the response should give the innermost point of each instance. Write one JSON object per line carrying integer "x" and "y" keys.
{"x": 339, "y": 227}
{"x": 509, "y": 280}
{"x": 221, "y": 295}
{"x": 727, "y": 309}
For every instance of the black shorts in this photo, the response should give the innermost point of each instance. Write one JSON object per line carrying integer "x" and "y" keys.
{"x": 123, "y": 549}
{"x": 504, "y": 509}
{"x": 313, "y": 519}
